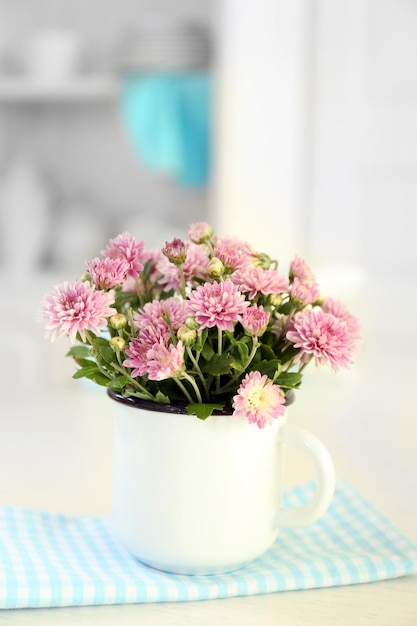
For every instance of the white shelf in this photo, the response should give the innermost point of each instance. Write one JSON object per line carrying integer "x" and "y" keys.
{"x": 78, "y": 88}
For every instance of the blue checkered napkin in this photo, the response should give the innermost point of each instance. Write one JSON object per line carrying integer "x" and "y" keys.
{"x": 49, "y": 560}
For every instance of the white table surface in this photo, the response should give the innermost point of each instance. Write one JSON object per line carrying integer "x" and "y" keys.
{"x": 56, "y": 451}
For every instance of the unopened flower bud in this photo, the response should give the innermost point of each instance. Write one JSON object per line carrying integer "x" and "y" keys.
{"x": 191, "y": 323}
{"x": 175, "y": 251}
{"x": 264, "y": 261}
{"x": 275, "y": 299}
{"x": 200, "y": 232}
{"x": 255, "y": 320}
{"x": 118, "y": 344}
{"x": 215, "y": 268}
{"x": 187, "y": 335}
{"x": 304, "y": 292}
{"x": 118, "y": 321}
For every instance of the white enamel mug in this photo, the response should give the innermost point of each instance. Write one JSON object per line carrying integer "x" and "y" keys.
{"x": 204, "y": 497}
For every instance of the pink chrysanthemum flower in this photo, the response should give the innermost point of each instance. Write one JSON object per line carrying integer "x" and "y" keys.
{"x": 321, "y": 335}
{"x": 304, "y": 292}
{"x": 255, "y": 320}
{"x": 107, "y": 273}
{"x": 155, "y": 312}
{"x": 132, "y": 285}
{"x": 137, "y": 351}
{"x": 231, "y": 258}
{"x": 339, "y": 310}
{"x": 195, "y": 265}
{"x": 217, "y": 304}
{"x": 300, "y": 269}
{"x": 259, "y": 400}
{"x": 199, "y": 232}
{"x": 253, "y": 280}
{"x": 74, "y": 308}
{"x": 238, "y": 244}
{"x": 139, "y": 346}
{"x": 175, "y": 251}
{"x": 126, "y": 247}
{"x": 165, "y": 361}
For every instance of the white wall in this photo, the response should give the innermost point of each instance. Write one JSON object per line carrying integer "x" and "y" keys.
{"x": 316, "y": 145}
{"x": 261, "y": 139}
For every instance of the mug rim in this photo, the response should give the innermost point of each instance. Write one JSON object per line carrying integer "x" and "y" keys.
{"x": 179, "y": 408}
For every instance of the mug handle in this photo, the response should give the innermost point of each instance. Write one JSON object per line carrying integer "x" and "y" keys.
{"x": 325, "y": 481}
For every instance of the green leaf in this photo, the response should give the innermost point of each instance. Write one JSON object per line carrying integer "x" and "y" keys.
{"x": 243, "y": 351}
{"x": 124, "y": 300}
{"x": 103, "y": 352}
{"x": 267, "y": 352}
{"x": 286, "y": 307}
{"x": 164, "y": 295}
{"x": 205, "y": 346}
{"x": 242, "y": 339}
{"x": 203, "y": 411}
{"x": 79, "y": 352}
{"x": 99, "y": 343}
{"x": 266, "y": 367}
{"x": 119, "y": 383}
{"x": 288, "y": 354}
{"x": 147, "y": 268}
{"x": 217, "y": 365}
{"x": 237, "y": 365}
{"x": 86, "y": 372}
{"x": 100, "y": 379}
{"x": 200, "y": 342}
{"x": 161, "y": 397}
{"x": 106, "y": 355}
{"x": 289, "y": 379}
{"x": 207, "y": 351}
{"x": 92, "y": 373}
{"x": 83, "y": 362}
{"x": 138, "y": 394}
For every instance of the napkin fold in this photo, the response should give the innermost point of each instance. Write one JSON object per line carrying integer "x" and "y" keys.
{"x": 51, "y": 560}
{"x": 167, "y": 117}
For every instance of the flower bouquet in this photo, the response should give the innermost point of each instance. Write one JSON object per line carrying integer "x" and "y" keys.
{"x": 208, "y": 323}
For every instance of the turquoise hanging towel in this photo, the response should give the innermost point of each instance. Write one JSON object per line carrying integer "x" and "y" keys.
{"x": 167, "y": 116}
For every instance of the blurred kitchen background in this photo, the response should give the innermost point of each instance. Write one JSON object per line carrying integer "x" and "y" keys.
{"x": 290, "y": 124}
{"x": 70, "y": 149}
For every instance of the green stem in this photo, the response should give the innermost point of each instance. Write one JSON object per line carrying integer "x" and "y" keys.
{"x": 219, "y": 341}
{"x": 135, "y": 383}
{"x": 219, "y": 352}
{"x": 104, "y": 371}
{"x": 182, "y": 285}
{"x": 184, "y": 390}
{"x": 199, "y": 372}
{"x": 255, "y": 345}
{"x": 210, "y": 247}
{"x": 289, "y": 318}
{"x": 304, "y": 365}
{"x": 194, "y": 386}
{"x": 131, "y": 321}
{"x": 231, "y": 382}
{"x": 165, "y": 317}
